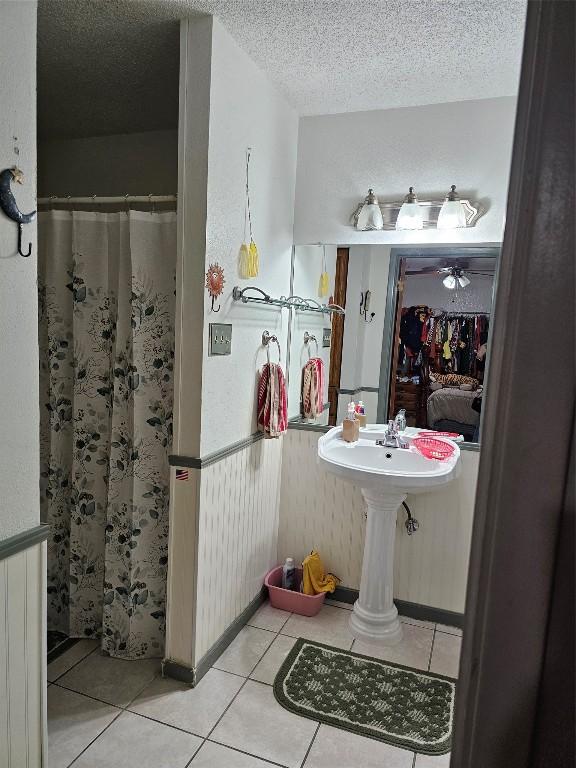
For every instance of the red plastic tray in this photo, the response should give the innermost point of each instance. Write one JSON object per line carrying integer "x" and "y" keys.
{"x": 432, "y": 448}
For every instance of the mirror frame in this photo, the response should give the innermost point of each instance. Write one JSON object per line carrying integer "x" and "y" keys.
{"x": 398, "y": 253}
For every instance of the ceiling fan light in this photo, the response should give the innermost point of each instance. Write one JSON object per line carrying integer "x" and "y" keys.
{"x": 452, "y": 214}
{"x": 370, "y": 216}
{"x": 410, "y": 214}
{"x": 463, "y": 281}
{"x": 450, "y": 282}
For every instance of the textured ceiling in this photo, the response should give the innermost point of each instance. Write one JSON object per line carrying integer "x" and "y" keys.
{"x": 109, "y": 66}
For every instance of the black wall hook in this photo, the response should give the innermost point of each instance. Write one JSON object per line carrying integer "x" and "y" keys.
{"x": 9, "y": 206}
{"x": 212, "y": 309}
{"x": 20, "y": 232}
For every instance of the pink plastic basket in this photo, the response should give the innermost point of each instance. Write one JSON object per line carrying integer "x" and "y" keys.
{"x": 432, "y": 448}
{"x": 286, "y": 599}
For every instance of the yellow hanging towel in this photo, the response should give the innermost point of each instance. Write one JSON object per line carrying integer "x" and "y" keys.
{"x": 324, "y": 281}
{"x": 314, "y": 578}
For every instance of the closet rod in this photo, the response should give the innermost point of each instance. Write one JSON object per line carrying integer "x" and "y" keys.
{"x": 444, "y": 313}
{"x": 104, "y": 200}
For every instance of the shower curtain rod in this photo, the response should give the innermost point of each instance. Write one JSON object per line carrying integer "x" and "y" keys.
{"x": 104, "y": 200}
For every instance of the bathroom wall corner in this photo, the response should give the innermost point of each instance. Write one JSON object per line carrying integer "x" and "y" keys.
{"x": 193, "y": 141}
{"x": 193, "y": 137}
{"x": 183, "y": 568}
{"x": 224, "y": 517}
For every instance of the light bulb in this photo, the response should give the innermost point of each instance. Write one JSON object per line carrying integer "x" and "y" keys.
{"x": 370, "y": 216}
{"x": 452, "y": 215}
{"x": 463, "y": 281}
{"x": 450, "y": 282}
{"x": 410, "y": 214}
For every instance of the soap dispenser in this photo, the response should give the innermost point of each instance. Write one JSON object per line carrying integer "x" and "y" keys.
{"x": 350, "y": 425}
{"x": 361, "y": 414}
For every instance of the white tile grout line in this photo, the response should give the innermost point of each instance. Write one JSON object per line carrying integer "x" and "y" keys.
{"x": 232, "y": 700}
{"x": 310, "y": 745}
{"x": 97, "y": 648}
{"x": 121, "y": 711}
{"x": 290, "y": 614}
{"x": 242, "y": 752}
{"x": 453, "y": 634}
{"x": 431, "y": 651}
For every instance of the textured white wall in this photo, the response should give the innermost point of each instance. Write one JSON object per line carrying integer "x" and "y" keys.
{"x": 362, "y": 348}
{"x": 378, "y": 285}
{"x": 245, "y": 111}
{"x": 135, "y": 163}
{"x": 429, "y": 289}
{"x": 466, "y": 143}
{"x": 354, "y": 326}
{"x": 19, "y": 414}
{"x": 320, "y": 511}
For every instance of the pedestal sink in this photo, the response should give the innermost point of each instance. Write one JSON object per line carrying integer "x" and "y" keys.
{"x": 385, "y": 476}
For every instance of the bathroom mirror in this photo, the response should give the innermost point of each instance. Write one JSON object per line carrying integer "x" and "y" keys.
{"x": 416, "y": 334}
{"x": 310, "y": 336}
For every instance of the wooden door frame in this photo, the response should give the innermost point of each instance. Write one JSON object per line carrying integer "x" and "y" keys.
{"x": 337, "y": 337}
{"x": 515, "y": 700}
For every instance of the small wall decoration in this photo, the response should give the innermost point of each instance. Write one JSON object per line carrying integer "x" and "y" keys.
{"x": 9, "y": 206}
{"x": 324, "y": 281}
{"x": 248, "y": 257}
{"x": 215, "y": 283}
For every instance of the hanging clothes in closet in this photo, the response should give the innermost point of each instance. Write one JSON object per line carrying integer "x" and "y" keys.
{"x": 412, "y": 334}
{"x": 455, "y": 341}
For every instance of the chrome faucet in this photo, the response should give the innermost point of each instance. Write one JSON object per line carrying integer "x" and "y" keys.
{"x": 392, "y": 438}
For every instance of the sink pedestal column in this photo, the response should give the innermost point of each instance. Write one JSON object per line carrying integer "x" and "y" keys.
{"x": 375, "y": 617}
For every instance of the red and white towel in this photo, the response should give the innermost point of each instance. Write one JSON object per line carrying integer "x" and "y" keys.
{"x": 272, "y": 403}
{"x": 313, "y": 388}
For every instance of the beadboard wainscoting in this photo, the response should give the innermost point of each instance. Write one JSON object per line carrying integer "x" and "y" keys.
{"x": 23, "y": 651}
{"x": 318, "y": 510}
{"x": 223, "y": 541}
{"x": 237, "y": 535}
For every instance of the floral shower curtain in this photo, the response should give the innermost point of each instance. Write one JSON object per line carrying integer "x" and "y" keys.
{"x": 106, "y": 327}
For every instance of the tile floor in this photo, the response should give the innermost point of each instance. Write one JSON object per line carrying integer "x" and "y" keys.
{"x": 123, "y": 714}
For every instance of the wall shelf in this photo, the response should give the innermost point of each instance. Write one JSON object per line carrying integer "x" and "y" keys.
{"x": 258, "y": 296}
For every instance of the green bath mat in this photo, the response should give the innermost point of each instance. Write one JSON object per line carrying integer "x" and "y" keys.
{"x": 401, "y": 706}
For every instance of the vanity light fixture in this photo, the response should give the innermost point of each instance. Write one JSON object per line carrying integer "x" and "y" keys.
{"x": 452, "y": 214}
{"x": 410, "y": 214}
{"x": 370, "y": 216}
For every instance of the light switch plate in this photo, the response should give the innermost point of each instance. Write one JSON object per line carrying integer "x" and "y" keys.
{"x": 220, "y": 338}
{"x": 326, "y": 337}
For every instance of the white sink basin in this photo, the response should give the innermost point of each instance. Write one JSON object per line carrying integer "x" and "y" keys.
{"x": 385, "y": 476}
{"x": 373, "y": 466}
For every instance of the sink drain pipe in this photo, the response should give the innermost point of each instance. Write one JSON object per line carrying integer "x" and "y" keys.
{"x": 411, "y": 523}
